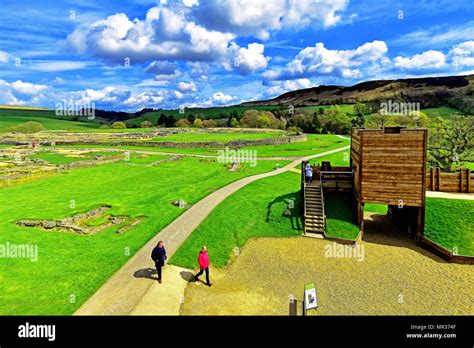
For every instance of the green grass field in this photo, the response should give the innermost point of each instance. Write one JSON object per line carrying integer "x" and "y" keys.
{"x": 443, "y": 111}
{"x": 257, "y": 210}
{"x": 71, "y": 266}
{"x": 315, "y": 144}
{"x": 48, "y": 123}
{"x": 56, "y": 158}
{"x": 450, "y": 223}
{"x": 222, "y": 137}
{"x": 341, "y": 216}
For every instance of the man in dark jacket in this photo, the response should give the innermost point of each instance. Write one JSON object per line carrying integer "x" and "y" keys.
{"x": 159, "y": 256}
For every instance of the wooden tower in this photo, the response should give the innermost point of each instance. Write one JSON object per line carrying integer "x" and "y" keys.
{"x": 389, "y": 168}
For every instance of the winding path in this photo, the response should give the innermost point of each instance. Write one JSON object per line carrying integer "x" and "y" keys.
{"x": 125, "y": 290}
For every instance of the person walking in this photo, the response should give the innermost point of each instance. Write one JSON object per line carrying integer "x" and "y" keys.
{"x": 203, "y": 260}
{"x": 308, "y": 173}
{"x": 159, "y": 256}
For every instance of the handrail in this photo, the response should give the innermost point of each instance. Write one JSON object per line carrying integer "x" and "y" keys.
{"x": 322, "y": 199}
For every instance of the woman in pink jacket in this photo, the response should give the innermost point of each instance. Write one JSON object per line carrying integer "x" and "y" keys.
{"x": 203, "y": 260}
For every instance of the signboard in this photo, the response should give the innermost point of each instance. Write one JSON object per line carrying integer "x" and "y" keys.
{"x": 310, "y": 297}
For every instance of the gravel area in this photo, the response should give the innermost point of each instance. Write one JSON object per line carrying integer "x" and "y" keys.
{"x": 394, "y": 278}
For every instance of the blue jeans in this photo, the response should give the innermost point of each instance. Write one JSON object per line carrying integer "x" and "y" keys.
{"x": 200, "y": 274}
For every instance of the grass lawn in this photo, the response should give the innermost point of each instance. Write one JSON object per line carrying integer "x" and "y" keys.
{"x": 47, "y": 122}
{"x": 341, "y": 217}
{"x": 71, "y": 267}
{"x": 376, "y": 208}
{"x": 57, "y": 158}
{"x": 450, "y": 223}
{"x": 219, "y": 137}
{"x": 443, "y": 111}
{"x": 316, "y": 143}
{"x": 257, "y": 210}
{"x": 337, "y": 159}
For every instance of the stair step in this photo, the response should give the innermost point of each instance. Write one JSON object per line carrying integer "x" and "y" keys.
{"x": 315, "y": 230}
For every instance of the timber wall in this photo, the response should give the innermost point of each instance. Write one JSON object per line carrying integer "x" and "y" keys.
{"x": 389, "y": 167}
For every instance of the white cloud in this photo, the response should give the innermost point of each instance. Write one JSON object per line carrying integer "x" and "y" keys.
{"x": 319, "y": 60}
{"x": 250, "y": 59}
{"x": 162, "y": 35}
{"x": 191, "y": 3}
{"x": 219, "y": 98}
{"x": 186, "y": 87}
{"x": 427, "y": 60}
{"x": 5, "y": 57}
{"x": 279, "y": 87}
{"x": 163, "y": 70}
{"x": 259, "y": 17}
{"x": 58, "y": 65}
{"x": 27, "y": 88}
{"x": 462, "y": 54}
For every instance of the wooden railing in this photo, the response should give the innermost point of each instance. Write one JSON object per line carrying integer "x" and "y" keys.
{"x": 460, "y": 181}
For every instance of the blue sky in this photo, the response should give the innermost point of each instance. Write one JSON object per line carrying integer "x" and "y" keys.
{"x": 127, "y": 55}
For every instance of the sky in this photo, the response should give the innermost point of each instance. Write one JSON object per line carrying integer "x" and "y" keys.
{"x": 128, "y": 55}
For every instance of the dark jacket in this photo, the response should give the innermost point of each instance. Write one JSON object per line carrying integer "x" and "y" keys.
{"x": 159, "y": 255}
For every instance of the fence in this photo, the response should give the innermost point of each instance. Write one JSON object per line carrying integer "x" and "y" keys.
{"x": 461, "y": 181}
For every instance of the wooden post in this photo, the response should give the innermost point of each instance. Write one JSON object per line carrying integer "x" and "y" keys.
{"x": 460, "y": 180}
{"x": 438, "y": 173}
{"x": 468, "y": 188}
{"x": 432, "y": 179}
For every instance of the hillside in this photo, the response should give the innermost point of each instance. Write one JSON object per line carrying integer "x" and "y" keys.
{"x": 430, "y": 92}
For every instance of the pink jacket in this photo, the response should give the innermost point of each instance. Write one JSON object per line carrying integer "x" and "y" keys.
{"x": 203, "y": 260}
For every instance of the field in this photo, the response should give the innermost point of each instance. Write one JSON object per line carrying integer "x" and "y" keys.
{"x": 341, "y": 216}
{"x": 315, "y": 144}
{"x": 48, "y": 123}
{"x": 257, "y": 210}
{"x": 450, "y": 223}
{"x": 218, "y": 136}
{"x": 70, "y": 266}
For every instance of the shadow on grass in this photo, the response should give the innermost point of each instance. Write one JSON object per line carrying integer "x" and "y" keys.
{"x": 292, "y": 211}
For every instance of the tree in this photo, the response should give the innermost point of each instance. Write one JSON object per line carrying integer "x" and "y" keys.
{"x": 146, "y": 124}
{"x": 260, "y": 119}
{"x": 183, "y": 123}
{"x": 233, "y": 122}
{"x": 162, "y": 120}
{"x": 451, "y": 142}
{"x": 119, "y": 125}
{"x": 208, "y": 123}
{"x": 198, "y": 123}
{"x": 170, "y": 121}
{"x": 191, "y": 118}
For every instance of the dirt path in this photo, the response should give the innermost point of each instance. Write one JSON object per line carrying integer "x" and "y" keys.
{"x": 123, "y": 292}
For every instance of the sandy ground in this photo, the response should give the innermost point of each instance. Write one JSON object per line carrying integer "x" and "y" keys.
{"x": 164, "y": 298}
{"x": 394, "y": 278}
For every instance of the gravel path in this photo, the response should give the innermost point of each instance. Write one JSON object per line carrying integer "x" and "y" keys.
{"x": 395, "y": 277}
{"x": 127, "y": 287}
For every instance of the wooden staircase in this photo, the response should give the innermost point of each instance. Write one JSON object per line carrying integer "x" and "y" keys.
{"x": 314, "y": 215}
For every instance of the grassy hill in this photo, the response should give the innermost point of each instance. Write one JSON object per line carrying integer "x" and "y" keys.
{"x": 14, "y": 116}
{"x": 430, "y": 92}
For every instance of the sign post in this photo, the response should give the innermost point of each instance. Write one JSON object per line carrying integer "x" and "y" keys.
{"x": 310, "y": 298}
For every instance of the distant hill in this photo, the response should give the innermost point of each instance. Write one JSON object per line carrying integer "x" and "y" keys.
{"x": 430, "y": 92}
